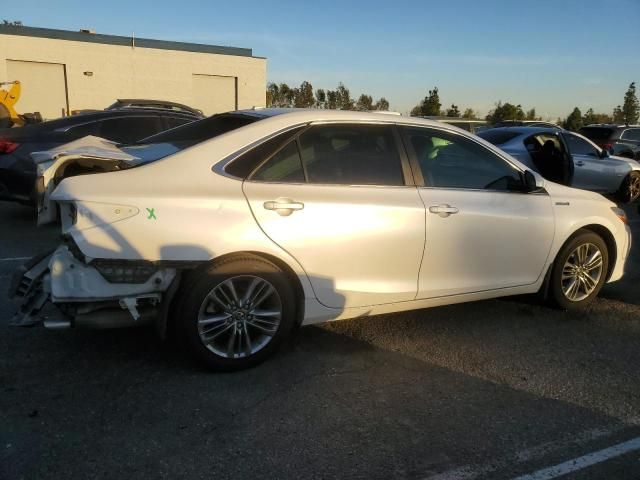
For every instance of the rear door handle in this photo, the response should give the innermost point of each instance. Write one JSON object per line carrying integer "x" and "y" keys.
{"x": 443, "y": 210}
{"x": 580, "y": 163}
{"x": 283, "y": 206}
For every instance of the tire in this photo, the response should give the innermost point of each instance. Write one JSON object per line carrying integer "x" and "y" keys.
{"x": 579, "y": 252}
{"x": 212, "y": 310}
{"x": 630, "y": 188}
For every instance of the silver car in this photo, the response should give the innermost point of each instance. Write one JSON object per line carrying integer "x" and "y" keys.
{"x": 570, "y": 159}
{"x": 258, "y": 221}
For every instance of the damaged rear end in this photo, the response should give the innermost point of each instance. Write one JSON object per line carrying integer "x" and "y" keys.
{"x": 94, "y": 293}
{"x": 90, "y": 292}
{"x": 88, "y": 155}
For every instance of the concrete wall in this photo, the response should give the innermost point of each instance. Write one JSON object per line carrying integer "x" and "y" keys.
{"x": 134, "y": 72}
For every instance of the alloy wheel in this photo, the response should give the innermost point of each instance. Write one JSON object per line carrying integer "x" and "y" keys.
{"x": 582, "y": 272}
{"x": 239, "y": 316}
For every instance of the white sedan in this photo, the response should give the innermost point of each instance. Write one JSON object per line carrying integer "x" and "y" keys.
{"x": 257, "y": 221}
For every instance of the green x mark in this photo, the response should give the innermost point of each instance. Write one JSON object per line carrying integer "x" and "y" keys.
{"x": 152, "y": 214}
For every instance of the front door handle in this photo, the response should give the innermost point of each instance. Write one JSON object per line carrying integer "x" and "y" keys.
{"x": 580, "y": 163}
{"x": 283, "y": 206}
{"x": 443, "y": 210}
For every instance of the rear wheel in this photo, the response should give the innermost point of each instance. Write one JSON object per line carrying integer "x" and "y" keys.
{"x": 236, "y": 313}
{"x": 630, "y": 188}
{"x": 579, "y": 271}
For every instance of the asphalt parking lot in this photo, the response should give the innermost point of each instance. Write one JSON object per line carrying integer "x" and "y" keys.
{"x": 496, "y": 389}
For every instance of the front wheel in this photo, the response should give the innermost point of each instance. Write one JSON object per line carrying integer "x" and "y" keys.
{"x": 579, "y": 271}
{"x": 630, "y": 188}
{"x": 236, "y": 313}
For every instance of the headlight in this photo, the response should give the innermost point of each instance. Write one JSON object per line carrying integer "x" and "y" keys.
{"x": 621, "y": 214}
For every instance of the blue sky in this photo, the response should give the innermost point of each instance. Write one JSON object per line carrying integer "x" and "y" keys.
{"x": 548, "y": 54}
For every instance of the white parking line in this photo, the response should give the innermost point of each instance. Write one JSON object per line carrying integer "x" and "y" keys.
{"x": 584, "y": 461}
{"x": 14, "y": 259}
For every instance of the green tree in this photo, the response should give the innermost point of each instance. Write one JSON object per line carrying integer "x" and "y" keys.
{"x": 505, "y": 111}
{"x": 631, "y": 107}
{"x": 574, "y": 121}
{"x": 343, "y": 96}
{"x": 382, "y": 104}
{"x": 453, "y": 111}
{"x": 618, "y": 115}
{"x": 303, "y": 96}
{"x": 429, "y": 106}
{"x": 279, "y": 95}
{"x": 590, "y": 117}
{"x": 531, "y": 115}
{"x": 332, "y": 100}
{"x": 272, "y": 93}
{"x": 364, "y": 103}
{"x": 469, "y": 113}
{"x": 321, "y": 98}
{"x": 416, "y": 111}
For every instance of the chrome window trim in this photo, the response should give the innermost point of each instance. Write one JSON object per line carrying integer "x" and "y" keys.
{"x": 540, "y": 191}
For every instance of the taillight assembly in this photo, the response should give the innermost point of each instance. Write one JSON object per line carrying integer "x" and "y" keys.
{"x": 7, "y": 146}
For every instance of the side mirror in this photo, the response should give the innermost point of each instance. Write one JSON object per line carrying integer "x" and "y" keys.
{"x": 530, "y": 184}
{"x": 604, "y": 153}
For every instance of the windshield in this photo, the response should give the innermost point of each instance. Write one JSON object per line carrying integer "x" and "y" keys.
{"x": 596, "y": 133}
{"x": 497, "y": 137}
{"x": 172, "y": 141}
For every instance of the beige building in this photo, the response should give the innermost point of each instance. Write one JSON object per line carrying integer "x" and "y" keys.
{"x": 62, "y": 71}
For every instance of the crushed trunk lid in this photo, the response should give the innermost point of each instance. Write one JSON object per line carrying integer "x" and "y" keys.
{"x": 86, "y": 155}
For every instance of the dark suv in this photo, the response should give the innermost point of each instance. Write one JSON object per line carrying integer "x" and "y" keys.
{"x": 619, "y": 140}
{"x": 126, "y": 125}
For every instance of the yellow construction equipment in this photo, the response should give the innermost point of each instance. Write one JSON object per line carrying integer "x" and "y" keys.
{"x": 8, "y": 99}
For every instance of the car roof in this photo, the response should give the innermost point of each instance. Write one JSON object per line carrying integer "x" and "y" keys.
{"x": 442, "y": 118}
{"x": 87, "y": 117}
{"x": 320, "y": 114}
{"x": 524, "y": 130}
{"x": 148, "y": 104}
{"x": 610, "y": 125}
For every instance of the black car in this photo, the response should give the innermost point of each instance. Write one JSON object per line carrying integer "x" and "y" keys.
{"x": 155, "y": 104}
{"x": 127, "y": 125}
{"x": 619, "y": 140}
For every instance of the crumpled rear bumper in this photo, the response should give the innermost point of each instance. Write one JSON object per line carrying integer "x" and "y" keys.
{"x": 93, "y": 298}
{"x": 31, "y": 288}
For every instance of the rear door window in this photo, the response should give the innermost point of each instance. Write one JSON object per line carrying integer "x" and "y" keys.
{"x": 580, "y": 146}
{"x": 351, "y": 155}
